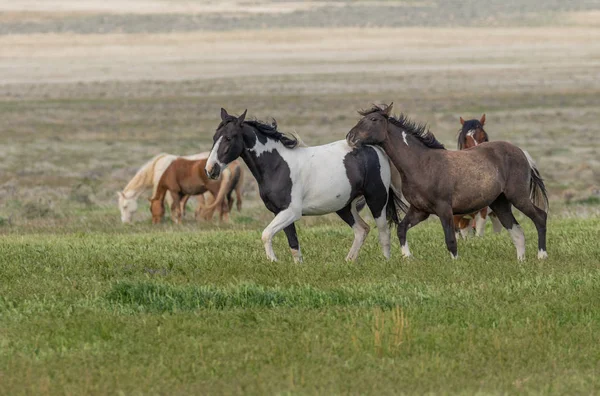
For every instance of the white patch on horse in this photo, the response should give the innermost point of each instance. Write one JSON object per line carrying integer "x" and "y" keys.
{"x": 453, "y": 256}
{"x": 405, "y": 251}
{"x": 213, "y": 158}
{"x": 518, "y": 238}
{"x": 282, "y": 220}
{"x": 297, "y": 255}
{"x": 404, "y": 137}
{"x": 542, "y": 254}
{"x": 471, "y": 134}
{"x": 270, "y": 146}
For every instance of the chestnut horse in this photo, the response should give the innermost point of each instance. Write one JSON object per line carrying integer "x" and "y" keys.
{"x": 441, "y": 182}
{"x": 470, "y": 135}
{"x": 147, "y": 177}
{"x": 184, "y": 178}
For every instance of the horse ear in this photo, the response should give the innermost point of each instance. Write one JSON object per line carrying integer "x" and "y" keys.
{"x": 388, "y": 110}
{"x": 242, "y": 117}
{"x": 482, "y": 120}
{"x": 224, "y": 114}
{"x": 462, "y": 122}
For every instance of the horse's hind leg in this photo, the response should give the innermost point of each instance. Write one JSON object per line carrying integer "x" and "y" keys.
{"x": 412, "y": 218}
{"x": 361, "y": 229}
{"x": 379, "y": 214}
{"x": 501, "y": 206}
{"x": 539, "y": 217}
{"x": 292, "y": 237}
{"x": 496, "y": 225}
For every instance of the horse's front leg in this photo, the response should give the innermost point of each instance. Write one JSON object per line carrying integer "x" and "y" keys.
{"x": 447, "y": 220}
{"x": 292, "y": 237}
{"x": 281, "y": 221}
{"x": 412, "y": 218}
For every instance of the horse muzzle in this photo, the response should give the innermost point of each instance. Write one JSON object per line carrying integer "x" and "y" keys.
{"x": 214, "y": 172}
{"x": 350, "y": 139}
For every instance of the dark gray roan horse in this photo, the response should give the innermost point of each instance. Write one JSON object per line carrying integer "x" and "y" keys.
{"x": 294, "y": 181}
{"x": 437, "y": 181}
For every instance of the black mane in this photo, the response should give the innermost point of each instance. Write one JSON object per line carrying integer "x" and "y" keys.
{"x": 467, "y": 126}
{"x": 268, "y": 130}
{"x": 416, "y": 129}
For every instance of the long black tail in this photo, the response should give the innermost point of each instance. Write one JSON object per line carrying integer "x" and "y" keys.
{"x": 394, "y": 204}
{"x": 537, "y": 190}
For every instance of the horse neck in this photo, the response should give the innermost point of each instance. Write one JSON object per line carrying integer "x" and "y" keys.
{"x": 257, "y": 163}
{"x": 133, "y": 193}
{"x": 406, "y": 157}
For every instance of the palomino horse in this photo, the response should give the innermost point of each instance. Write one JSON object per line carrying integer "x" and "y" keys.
{"x": 470, "y": 135}
{"x": 184, "y": 178}
{"x": 441, "y": 182}
{"x": 145, "y": 178}
{"x": 294, "y": 181}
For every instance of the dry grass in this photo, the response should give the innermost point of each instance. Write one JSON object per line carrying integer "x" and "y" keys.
{"x": 91, "y": 108}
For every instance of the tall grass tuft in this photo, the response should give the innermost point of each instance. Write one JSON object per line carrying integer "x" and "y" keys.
{"x": 156, "y": 297}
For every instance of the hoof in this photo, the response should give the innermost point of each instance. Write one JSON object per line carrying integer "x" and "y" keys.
{"x": 542, "y": 254}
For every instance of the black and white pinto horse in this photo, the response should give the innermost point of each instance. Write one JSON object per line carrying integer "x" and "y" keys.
{"x": 295, "y": 181}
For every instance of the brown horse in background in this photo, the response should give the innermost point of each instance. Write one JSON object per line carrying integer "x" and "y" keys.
{"x": 470, "y": 135}
{"x": 184, "y": 178}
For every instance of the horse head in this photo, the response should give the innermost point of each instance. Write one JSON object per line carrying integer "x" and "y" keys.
{"x": 127, "y": 205}
{"x": 372, "y": 128}
{"x": 228, "y": 143}
{"x": 472, "y": 133}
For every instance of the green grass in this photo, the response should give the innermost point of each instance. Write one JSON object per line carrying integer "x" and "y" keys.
{"x": 180, "y": 311}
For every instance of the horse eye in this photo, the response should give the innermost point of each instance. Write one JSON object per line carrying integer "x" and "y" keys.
{"x": 228, "y": 138}
{"x": 373, "y": 119}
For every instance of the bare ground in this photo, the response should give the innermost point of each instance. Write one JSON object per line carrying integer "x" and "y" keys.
{"x": 80, "y": 112}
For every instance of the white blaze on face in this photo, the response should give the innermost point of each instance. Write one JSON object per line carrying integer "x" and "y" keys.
{"x": 213, "y": 157}
{"x": 471, "y": 134}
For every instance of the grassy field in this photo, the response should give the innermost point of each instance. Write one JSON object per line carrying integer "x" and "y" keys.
{"x": 204, "y": 312}
{"x": 90, "y": 90}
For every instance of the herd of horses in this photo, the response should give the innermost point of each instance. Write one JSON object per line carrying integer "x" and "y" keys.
{"x": 384, "y": 163}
